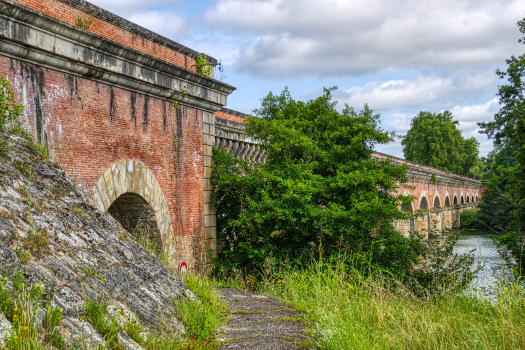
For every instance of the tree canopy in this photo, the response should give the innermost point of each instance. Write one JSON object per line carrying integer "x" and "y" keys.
{"x": 505, "y": 177}
{"x": 435, "y": 140}
{"x": 318, "y": 192}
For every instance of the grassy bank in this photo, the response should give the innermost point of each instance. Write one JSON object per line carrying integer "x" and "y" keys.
{"x": 350, "y": 311}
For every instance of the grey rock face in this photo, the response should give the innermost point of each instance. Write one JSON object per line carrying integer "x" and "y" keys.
{"x": 5, "y": 330}
{"x": 86, "y": 253}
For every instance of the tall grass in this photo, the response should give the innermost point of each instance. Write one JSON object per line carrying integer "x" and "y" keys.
{"x": 351, "y": 311}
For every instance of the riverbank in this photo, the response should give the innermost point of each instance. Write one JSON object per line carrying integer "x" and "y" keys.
{"x": 351, "y": 311}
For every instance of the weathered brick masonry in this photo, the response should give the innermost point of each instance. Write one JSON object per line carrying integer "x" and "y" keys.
{"x": 117, "y": 93}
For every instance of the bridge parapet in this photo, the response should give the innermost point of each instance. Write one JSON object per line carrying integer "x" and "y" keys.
{"x": 231, "y": 136}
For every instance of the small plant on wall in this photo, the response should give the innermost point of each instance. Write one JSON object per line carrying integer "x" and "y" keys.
{"x": 84, "y": 21}
{"x": 202, "y": 66}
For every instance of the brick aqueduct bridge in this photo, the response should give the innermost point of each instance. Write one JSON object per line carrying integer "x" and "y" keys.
{"x": 103, "y": 101}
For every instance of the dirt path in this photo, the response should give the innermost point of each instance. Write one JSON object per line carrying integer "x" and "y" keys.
{"x": 261, "y": 322}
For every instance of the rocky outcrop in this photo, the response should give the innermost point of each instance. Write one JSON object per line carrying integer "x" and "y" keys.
{"x": 55, "y": 236}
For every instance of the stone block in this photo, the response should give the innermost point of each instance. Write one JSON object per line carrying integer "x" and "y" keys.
{"x": 210, "y": 233}
{"x": 208, "y": 185}
{"x": 208, "y": 139}
{"x": 209, "y": 209}
{"x": 208, "y": 150}
{"x": 208, "y": 172}
{"x": 208, "y": 196}
{"x": 210, "y": 244}
{"x": 208, "y": 161}
{"x": 110, "y": 185}
{"x": 210, "y": 220}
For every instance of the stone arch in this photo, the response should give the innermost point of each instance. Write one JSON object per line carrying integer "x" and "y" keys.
{"x": 462, "y": 199}
{"x": 468, "y": 198}
{"x": 447, "y": 199}
{"x": 472, "y": 200}
{"x": 423, "y": 201}
{"x": 410, "y": 223}
{"x": 128, "y": 184}
{"x": 477, "y": 198}
{"x": 437, "y": 200}
{"x": 409, "y": 206}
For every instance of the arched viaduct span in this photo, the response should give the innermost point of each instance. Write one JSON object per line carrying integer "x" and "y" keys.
{"x": 123, "y": 110}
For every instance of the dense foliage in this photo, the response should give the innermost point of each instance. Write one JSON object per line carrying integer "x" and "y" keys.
{"x": 503, "y": 203}
{"x": 435, "y": 140}
{"x": 319, "y": 192}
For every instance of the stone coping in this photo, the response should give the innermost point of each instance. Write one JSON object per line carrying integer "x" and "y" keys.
{"x": 235, "y": 113}
{"x": 32, "y": 36}
{"x": 134, "y": 28}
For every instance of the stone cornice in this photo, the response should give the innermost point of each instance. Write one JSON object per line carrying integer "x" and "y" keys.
{"x": 109, "y": 17}
{"x": 29, "y": 35}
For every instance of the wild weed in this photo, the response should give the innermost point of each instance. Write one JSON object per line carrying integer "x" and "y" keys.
{"x": 20, "y": 304}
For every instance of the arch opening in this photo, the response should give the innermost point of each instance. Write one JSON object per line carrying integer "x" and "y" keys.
{"x": 477, "y": 198}
{"x": 447, "y": 202}
{"x": 462, "y": 200}
{"x": 138, "y": 217}
{"x": 129, "y": 191}
{"x": 468, "y": 199}
{"x": 472, "y": 199}
{"x": 455, "y": 200}
{"x": 424, "y": 203}
{"x": 437, "y": 202}
{"x": 408, "y": 207}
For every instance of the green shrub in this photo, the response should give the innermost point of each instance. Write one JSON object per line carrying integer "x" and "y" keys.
{"x": 319, "y": 191}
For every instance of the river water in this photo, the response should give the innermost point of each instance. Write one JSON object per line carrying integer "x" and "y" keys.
{"x": 486, "y": 256}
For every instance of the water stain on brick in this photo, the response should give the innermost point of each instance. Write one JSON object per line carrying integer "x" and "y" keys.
{"x": 36, "y": 76}
{"x": 164, "y": 116}
{"x": 145, "y": 121}
{"x": 72, "y": 84}
{"x": 112, "y": 104}
{"x": 133, "y": 99}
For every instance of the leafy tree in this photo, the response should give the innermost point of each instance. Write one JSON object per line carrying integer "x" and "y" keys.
{"x": 508, "y": 127}
{"x": 435, "y": 140}
{"x": 319, "y": 192}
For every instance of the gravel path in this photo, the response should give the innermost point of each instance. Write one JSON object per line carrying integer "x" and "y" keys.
{"x": 261, "y": 322}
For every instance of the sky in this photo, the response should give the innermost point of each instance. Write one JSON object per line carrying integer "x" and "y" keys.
{"x": 398, "y": 56}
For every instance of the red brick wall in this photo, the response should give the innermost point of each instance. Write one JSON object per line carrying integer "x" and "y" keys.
{"x": 92, "y": 125}
{"x": 233, "y": 118}
{"x": 68, "y": 14}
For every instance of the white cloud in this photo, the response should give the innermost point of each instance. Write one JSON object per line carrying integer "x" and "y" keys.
{"x": 126, "y": 4}
{"x": 336, "y": 37}
{"x": 165, "y": 23}
{"x": 438, "y": 91}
